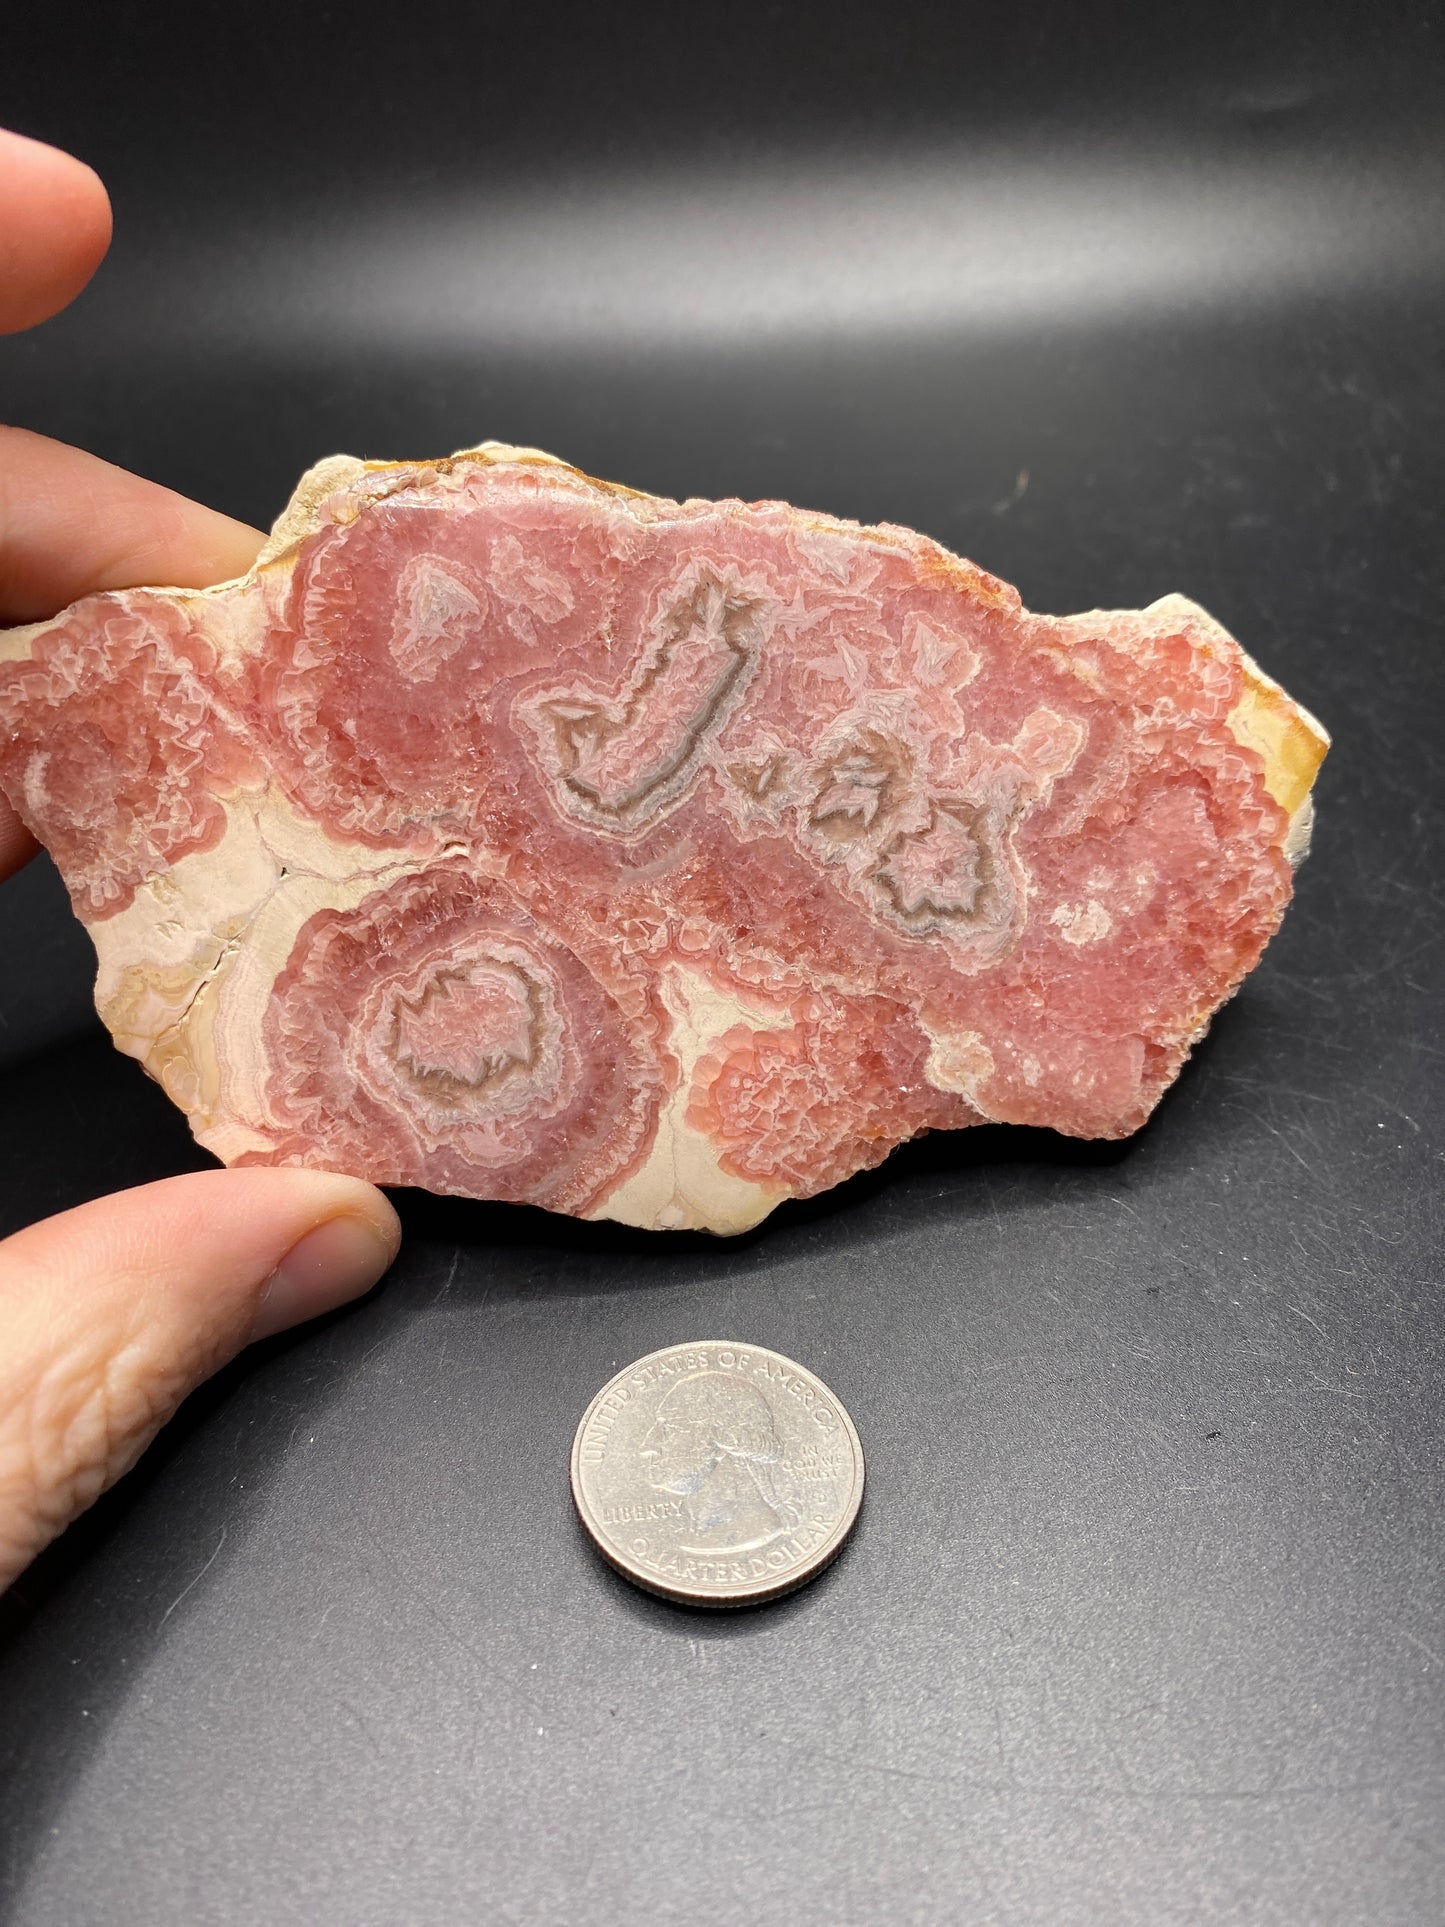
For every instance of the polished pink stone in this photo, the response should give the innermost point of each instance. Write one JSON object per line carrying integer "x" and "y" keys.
{"x": 516, "y": 835}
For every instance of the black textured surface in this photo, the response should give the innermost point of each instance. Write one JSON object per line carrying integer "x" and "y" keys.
{"x": 1143, "y": 1620}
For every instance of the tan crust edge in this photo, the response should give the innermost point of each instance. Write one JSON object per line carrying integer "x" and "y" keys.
{"x": 1291, "y": 743}
{"x": 301, "y": 516}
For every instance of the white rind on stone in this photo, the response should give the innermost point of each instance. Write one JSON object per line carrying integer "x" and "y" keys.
{"x": 682, "y": 1187}
{"x": 186, "y": 970}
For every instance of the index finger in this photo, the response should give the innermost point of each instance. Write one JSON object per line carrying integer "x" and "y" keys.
{"x": 54, "y": 229}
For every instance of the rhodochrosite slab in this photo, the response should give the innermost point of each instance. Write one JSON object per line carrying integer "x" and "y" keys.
{"x": 516, "y": 835}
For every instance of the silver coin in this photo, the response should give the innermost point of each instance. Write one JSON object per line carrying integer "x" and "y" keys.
{"x": 717, "y": 1474}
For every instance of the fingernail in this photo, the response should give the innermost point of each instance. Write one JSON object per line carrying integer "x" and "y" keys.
{"x": 331, "y": 1265}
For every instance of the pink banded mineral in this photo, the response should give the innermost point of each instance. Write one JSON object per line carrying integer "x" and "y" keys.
{"x": 520, "y": 836}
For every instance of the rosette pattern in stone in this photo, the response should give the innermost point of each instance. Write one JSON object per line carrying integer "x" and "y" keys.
{"x": 520, "y": 836}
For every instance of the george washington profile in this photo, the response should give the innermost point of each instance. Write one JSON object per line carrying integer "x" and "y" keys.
{"x": 715, "y": 1444}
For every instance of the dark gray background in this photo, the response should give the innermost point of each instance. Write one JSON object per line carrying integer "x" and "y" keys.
{"x": 1143, "y": 1622}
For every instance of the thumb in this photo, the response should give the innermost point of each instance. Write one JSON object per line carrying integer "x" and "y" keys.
{"x": 54, "y": 230}
{"x": 110, "y": 1314}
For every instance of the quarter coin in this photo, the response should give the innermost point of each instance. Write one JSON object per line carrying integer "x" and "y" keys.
{"x": 717, "y": 1474}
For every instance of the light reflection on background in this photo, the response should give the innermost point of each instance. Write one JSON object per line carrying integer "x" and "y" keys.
{"x": 947, "y": 241}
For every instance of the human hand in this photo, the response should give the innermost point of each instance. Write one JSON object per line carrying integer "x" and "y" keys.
{"x": 111, "y": 1313}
